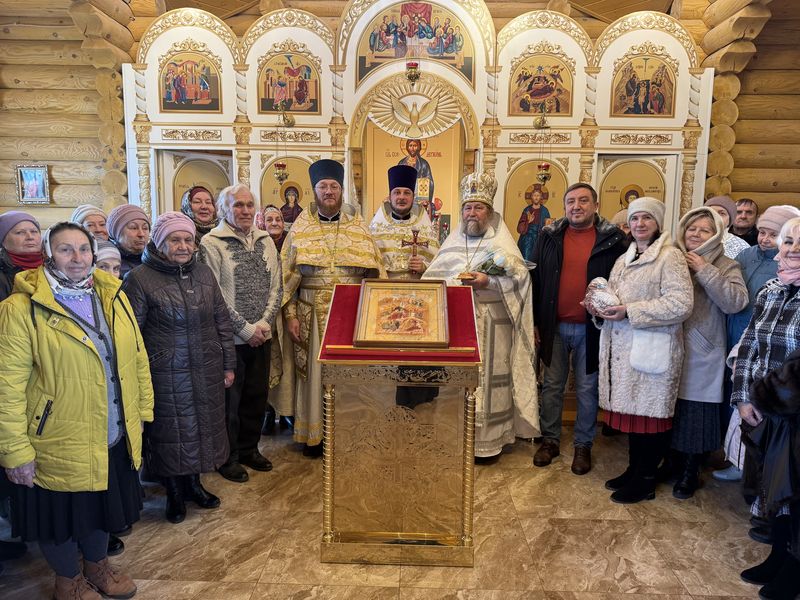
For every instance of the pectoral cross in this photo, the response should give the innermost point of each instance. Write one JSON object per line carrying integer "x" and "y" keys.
{"x": 414, "y": 243}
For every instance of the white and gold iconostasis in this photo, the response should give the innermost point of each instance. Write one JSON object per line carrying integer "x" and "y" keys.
{"x": 628, "y": 113}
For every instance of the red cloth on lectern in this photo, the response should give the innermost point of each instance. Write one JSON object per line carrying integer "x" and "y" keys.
{"x": 342, "y": 323}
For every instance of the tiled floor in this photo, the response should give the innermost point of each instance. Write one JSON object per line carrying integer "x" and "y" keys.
{"x": 541, "y": 534}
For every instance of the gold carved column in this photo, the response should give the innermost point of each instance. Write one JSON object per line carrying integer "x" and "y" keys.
{"x": 142, "y": 130}
{"x": 691, "y": 135}
{"x": 588, "y": 133}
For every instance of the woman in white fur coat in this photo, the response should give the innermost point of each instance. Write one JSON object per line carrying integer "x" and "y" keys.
{"x": 719, "y": 290}
{"x": 641, "y": 347}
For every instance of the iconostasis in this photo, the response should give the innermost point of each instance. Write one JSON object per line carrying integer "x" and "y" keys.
{"x": 430, "y": 84}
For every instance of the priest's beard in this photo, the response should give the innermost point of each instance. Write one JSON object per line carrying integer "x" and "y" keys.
{"x": 475, "y": 228}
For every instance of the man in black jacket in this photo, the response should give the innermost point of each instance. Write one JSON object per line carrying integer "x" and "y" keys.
{"x": 568, "y": 255}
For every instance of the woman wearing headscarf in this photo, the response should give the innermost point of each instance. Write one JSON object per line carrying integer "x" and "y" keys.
{"x": 129, "y": 229}
{"x": 767, "y": 395}
{"x": 198, "y": 204}
{"x": 641, "y": 347}
{"x": 719, "y": 290}
{"x": 74, "y": 391}
{"x": 21, "y": 250}
{"x": 93, "y": 219}
{"x": 281, "y": 372}
{"x": 189, "y": 337}
{"x": 725, "y": 207}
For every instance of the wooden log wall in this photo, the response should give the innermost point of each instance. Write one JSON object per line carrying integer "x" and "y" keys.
{"x": 766, "y": 156}
{"x": 60, "y": 92}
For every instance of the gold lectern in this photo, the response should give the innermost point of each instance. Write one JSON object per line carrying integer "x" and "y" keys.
{"x": 399, "y": 441}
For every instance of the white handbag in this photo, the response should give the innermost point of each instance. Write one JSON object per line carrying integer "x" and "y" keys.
{"x": 650, "y": 351}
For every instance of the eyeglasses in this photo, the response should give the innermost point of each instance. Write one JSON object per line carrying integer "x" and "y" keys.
{"x": 324, "y": 187}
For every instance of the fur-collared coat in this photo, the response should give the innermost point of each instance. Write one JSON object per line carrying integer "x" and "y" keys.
{"x": 657, "y": 292}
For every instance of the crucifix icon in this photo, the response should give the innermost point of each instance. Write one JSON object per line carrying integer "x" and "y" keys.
{"x": 414, "y": 243}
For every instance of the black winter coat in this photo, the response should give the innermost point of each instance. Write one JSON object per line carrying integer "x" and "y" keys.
{"x": 548, "y": 255}
{"x": 8, "y": 271}
{"x": 187, "y": 330}
{"x": 128, "y": 260}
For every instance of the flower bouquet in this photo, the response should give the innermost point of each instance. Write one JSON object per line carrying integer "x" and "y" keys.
{"x": 495, "y": 264}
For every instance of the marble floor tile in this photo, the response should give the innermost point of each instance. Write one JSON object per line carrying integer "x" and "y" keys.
{"x": 502, "y": 562}
{"x": 152, "y": 589}
{"x": 706, "y": 557}
{"x": 492, "y": 496}
{"x": 461, "y": 594}
{"x": 284, "y": 591}
{"x": 577, "y": 555}
{"x": 555, "y": 492}
{"x": 217, "y": 546}
{"x": 294, "y": 559}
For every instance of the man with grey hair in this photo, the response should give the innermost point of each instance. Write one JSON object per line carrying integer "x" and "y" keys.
{"x": 246, "y": 264}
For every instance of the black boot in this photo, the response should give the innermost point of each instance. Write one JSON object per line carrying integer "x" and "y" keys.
{"x": 285, "y": 423}
{"x": 269, "y": 421}
{"x": 621, "y": 481}
{"x": 195, "y": 492}
{"x": 689, "y": 481}
{"x": 647, "y": 456}
{"x": 786, "y": 584}
{"x": 176, "y": 507}
{"x": 768, "y": 570}
{"x": 115, "y": 545}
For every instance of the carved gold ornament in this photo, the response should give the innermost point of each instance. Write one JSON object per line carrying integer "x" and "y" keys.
{"x": 628, "y": 139}
{"x": 189, "y": 17}
{"x": 304, "y": 137}
{"x": 512, "y": 160}
{"x": 286, "y": 18}
{"x": 265, "y": 158}
{"x": 539, "y": 138}
{"x": 545, "y": 19}
{"x": 647, "y": 49}
{"x": 646, "y": 20}
{"x": 564, "y": 161}
{"x": 194, "y": 135}
{"x": 279, "y": 48}
{"x": 662, "y": 164}
{"x": 544, "y": 47}
{"x": 438, "y": 106}
{"x": 189, "y": 45}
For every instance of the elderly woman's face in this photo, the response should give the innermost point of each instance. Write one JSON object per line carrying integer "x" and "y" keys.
{"x": 23, "y": 238}
{"x": 203, "y": 207}
{"x": 135, "y": 236}
{"x": 643, "y": 226}
{"x": 178, "y": 247}
{"x": 698, "y": 233}
{"x": 273, "y": 220}
{"x": 96, "y": 224}
{"x": 72, "y": 253}
{"x": 726, "y": 218}
{"x": 789, "y": 249}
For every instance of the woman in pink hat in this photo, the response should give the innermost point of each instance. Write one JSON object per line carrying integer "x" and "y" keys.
{"x": 189, "y": 338}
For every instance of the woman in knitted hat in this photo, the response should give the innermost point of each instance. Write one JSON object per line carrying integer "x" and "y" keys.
{"x": 641, "y": 347}
{"x": 108, "y": 258}
{"x": 189, "y": 338}
{"x": 129, "y": 229}
{"x": 76, "y": 389}
{"x": 93, "y": 219}
{"x": 758, "y": 267}
{"x": 719, "y": 290}
{"x": 725, "y": 207}
{"x": 198, "y": 204}
{"x": 21, "y": 242}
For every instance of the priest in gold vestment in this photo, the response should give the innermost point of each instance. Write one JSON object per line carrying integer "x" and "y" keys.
{"x": 402, "y": 229}
{"x": 327, "y": 244}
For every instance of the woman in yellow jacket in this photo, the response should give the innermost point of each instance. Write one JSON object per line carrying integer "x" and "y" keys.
{"x": 74, "y": 391}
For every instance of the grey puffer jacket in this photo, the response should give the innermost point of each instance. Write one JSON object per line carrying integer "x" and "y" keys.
{"x": 187, "y": 330}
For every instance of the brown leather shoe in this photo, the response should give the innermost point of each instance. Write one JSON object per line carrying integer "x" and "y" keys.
{"x": 111, "y": 582}
{"x": 76, "y": 588}
{"x": 582, "y": 461}
{"x": 546, "y": 453}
